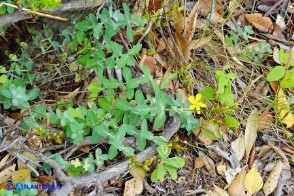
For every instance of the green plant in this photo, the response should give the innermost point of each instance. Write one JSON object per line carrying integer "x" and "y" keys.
{"x": 166, "y": 165}
{"x": 283, "y": 72}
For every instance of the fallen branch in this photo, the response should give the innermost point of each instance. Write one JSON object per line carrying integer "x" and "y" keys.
{"x": 96, "y": 179}
{"x": 25, "y": 13}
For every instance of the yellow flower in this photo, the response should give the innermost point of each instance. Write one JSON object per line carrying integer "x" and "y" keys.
{"x": 195, "y": 103}
{"x": 86, "y": 165}
{"x": 76, "y": 163}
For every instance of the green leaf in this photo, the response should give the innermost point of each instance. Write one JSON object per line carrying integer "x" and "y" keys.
{"x": 139, "y": 97}
{"x": 60, "y": 161}
{"x": 167, "y": 79}
{"x": 97, "y": 30}
{"x": 172, "y": 172}
{"x": 122, "y": 61}
{"x": 208, "y": 93}
{"x": 159, "y": 140}
{"x": 80, "y": 36}
{"x": 158, "y": 173}
{"x": 33, "y": 94}
{"x": 284, "y": 57}
{"x": 141, "y": 109}
{"x": 123, "y": 105}
{"x": 231, "y": 122}
{"x": 159, "y": 120}
{"x": 3, "y": 79}
{"x": 94, "y": 89}
{"x": 143, "y": 135}
{"x": 176, "y": 162}
{"x": 163, "y": 152}
{"x": 83, "y": 25}
{"x": 288, "y": 80}
{"x": 98, "y": 133}
{"x": 127, "y": 73}
{"x": 133, "y": 83}
{"x": 2, "y": 69}
{"x": 91, "y": 118}
{"x": 135, "y": 50}
{"x": 276, "y": 73}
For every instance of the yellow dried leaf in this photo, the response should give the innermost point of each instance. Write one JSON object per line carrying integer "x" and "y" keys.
{"x": 133, "y": 187}
{"x": 31, "y": 156}
{"x": 263, "y": 24}
{"x": 137, "y": 172}
{"x": 253, "y": 181}
{"x": 273, "y": 178}
{"x": 283, "y": 109}
{"x": 21, "y": 175}
{"x": 71, "y": 95}
{"x": 221, "y": 168}
{"x": 3, "y": 161}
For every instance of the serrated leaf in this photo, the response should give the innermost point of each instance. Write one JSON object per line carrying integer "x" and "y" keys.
{"x": 276, "y": 73}
{"x": 253, "y": 181}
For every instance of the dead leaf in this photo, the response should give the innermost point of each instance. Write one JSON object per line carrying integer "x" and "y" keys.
{"x": 273, "y": 178}
{"x": 264, "y": 120}
{"x": 46, "y": 179}
{"x": 282, "y": 155}
{"x": 283, "y": 109}
{"x": 236, "y": 188}
{"x": 263, "y": 24}
{"x": 3, "y": 161}
{"x": 238, "y": 146}
{"x": 133, "y": 187}
{"x": 221, "y": 168}
{"x": 21, "y": 175}
{"x": 253, "y": 181}
{"x": 7, "y": 173}
{"x": 250, "y": 133}
{"x": 280, "y": 21}
{"x": 199, "y": 43}
{"x": 71, "y": 95}
{"x": 150, "y": 62}
{"x": 190, "y": 23}
{"x": 231, "y": 173}
{"x": 218, "y": 192}
{"x": 31, "y": 156}
{"x": 85, "y": 148}
{"x": 137, "y": 172}
{"x": 198, "y": 163}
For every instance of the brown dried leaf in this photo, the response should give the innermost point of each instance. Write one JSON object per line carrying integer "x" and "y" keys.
{"x": 3, "y": 161}
{"x": 198, "y": 163}
{"x": 133, "y": 187}
{"x": 250, "y": 133}
{"x": 238, "y": 146}
{"x": 236, "y": 188}
{"x": 71, "y": 95}
{"x": 264, "y": 120}
{"x": 263, "y": 24}
{"x": 280, "y": 21}
{"x": 199, "y": 43}
{"x": 273, "y": 178}
{"x": 7, "y": 173}
{"x": 190, "y": 23}
{"x": 150, "y": 62}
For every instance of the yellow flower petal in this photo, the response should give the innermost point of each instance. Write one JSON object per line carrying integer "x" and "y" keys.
{"x": 192, "y": 107}
{"x": 202, "y": 105}
{"x": 191, "y": 99}
{"x": 198, "y": 97}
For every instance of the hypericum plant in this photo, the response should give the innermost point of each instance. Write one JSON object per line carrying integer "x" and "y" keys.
{"x": 283, "y": 72}
{"x": 166, "y": 165}
{"x": 13, "y": 94}
{"x": 241, "y": 35}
